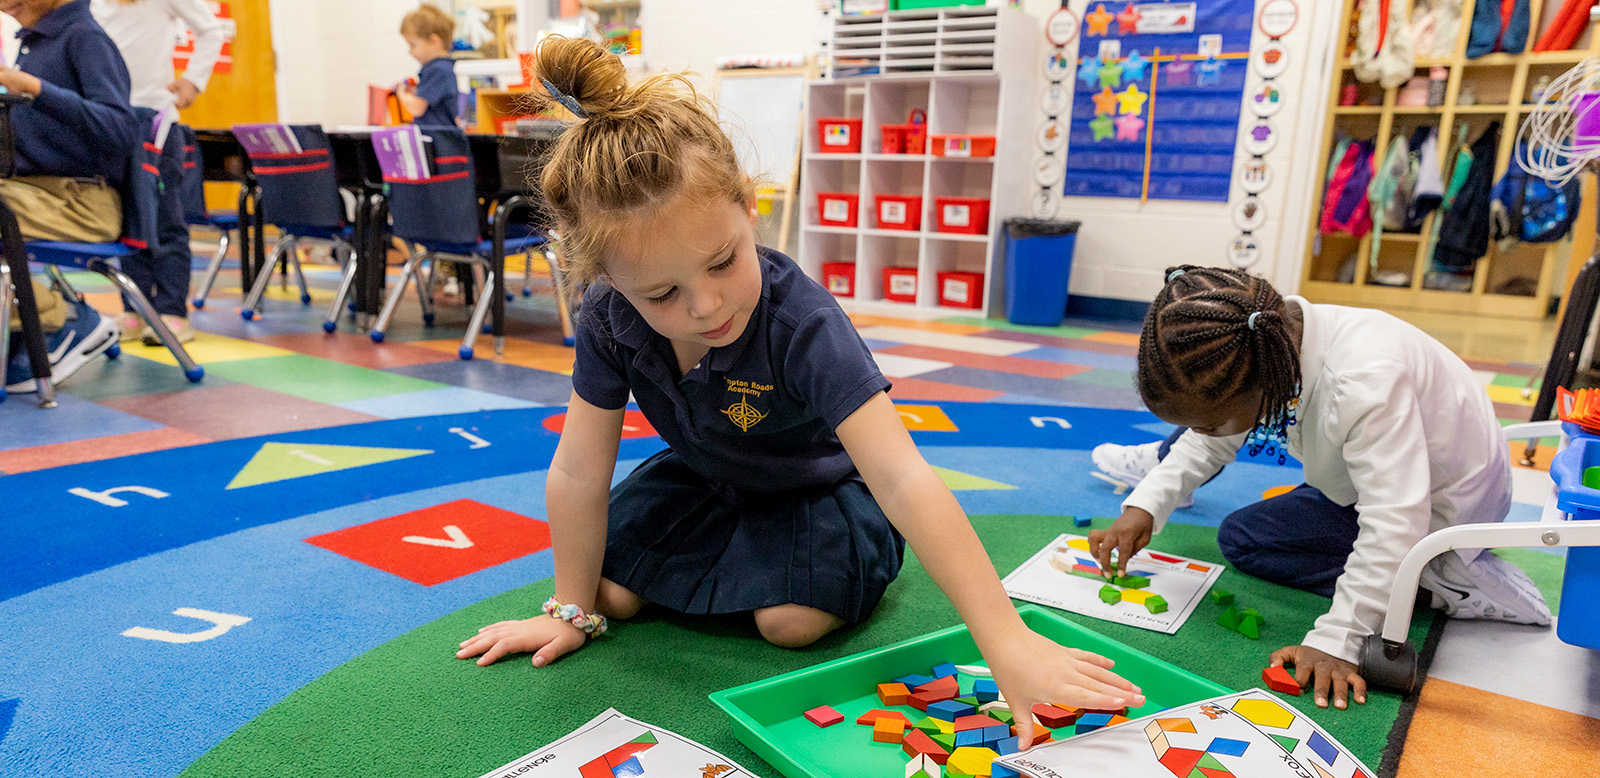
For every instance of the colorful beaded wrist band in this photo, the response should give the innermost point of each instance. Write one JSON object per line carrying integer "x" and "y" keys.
{"x": 593, "y": 624}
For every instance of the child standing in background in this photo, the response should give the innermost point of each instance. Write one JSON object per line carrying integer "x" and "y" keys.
{"x": 432, "y": 101}
{"x": 789, "y": 477}
{"x": 142, "y": 30}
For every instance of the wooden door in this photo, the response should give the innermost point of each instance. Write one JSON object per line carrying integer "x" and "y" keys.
{"x": 243, "y": 87}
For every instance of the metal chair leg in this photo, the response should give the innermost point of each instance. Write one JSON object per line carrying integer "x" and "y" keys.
{"x": 406, "y": 274}
{"x": 211, "y": 270}
{"x": 527, "y": 272}
{"x": 300, "y": 277}
{"x": 558, "y": 279}
{"x": 252, "y": 301}
{"x": 346, "y": 278}
{"x": 5, "y": 318}
{"x": 480, "y": 310}
{"x": 425, "y": 287}
{"x": 142, "y": 305}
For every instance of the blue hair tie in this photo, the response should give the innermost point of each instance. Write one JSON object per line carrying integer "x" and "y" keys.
{"x": 1251, "y": 321}
{"x": 1174, "y": 274}
{"x": 564, "y": 99}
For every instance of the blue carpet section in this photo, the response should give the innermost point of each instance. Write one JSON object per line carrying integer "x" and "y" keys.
{"x": 8, "y": 710}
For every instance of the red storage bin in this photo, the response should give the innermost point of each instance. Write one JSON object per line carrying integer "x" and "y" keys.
{"x": 894, "y": 138}
{"x": 969, "y": 215}
{"x": 837, "y": 209}
{"x": 899, "y": 212}
{"x": 900, "y": 284}
{"x": 839, "y": 136}
{"x": 960, "y": 289}
{"x": 839, "y": 278}
{"x": 908, "y": 138}
{"x": 963, "y": 145}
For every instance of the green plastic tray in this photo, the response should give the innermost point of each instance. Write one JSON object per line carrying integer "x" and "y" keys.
{"x": 769, "y": 715}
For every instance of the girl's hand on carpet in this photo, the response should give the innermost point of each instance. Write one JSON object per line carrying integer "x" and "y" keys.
{"x": 547, "y": 637}
{"x": 1129, "y": 533}
{"x": 1326, "y": 670}
{"x": 1030, "y": 668}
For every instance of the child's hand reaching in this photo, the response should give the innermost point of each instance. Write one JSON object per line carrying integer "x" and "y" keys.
{"x": 547, "y": 637}
{"x": 1311, "y": 664}
{"x": 1129, "y": 533}
{"x": 1030, "y": 668}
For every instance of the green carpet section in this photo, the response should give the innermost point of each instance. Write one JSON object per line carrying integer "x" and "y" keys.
{"x": 409, "y": 707}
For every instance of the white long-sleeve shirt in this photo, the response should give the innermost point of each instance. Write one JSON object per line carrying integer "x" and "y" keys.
{"x": 1390, "y": 421}
{"x": 145, "y": 32}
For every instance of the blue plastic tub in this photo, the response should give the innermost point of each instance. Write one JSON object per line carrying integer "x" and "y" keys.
{"x": 1579, "y": 621}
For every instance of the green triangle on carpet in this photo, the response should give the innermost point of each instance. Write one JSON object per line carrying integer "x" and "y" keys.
{"x": 959, "y": 481}
{"x": 286, "y": 461}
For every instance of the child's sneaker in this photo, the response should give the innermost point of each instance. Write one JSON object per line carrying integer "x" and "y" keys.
{"x": 84, "y": 337}
{"x": 1130, "y": 464}
{"x": 179, "y": 325}
{"x": 131, "y": 325}
{"x": 1486, "y": 588}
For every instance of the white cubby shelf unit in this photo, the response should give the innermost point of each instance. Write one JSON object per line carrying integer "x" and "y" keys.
{"x": 971, "y": 69}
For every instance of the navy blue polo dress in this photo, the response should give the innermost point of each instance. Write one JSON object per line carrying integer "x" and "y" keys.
{"x": 755, "y": 503}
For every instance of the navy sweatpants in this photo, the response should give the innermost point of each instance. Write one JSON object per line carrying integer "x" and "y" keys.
{"x": 162, "y": 271}
{"x": 1300, "y": 539}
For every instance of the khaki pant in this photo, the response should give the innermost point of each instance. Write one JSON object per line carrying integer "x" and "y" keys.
{"x": 52, "y": 308}
{"x": 79, "y": 210}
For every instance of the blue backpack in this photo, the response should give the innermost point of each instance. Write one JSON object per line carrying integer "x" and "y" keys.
{"x": 1531, "y": 210}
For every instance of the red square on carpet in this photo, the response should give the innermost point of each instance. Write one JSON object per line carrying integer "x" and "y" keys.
{"x": 438, "y": 544}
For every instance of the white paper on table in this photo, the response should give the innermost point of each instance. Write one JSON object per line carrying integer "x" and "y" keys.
{"x": 670, "y": 755}
{"x": 1181, "y": 581}
{"x": 1250, "y": 734}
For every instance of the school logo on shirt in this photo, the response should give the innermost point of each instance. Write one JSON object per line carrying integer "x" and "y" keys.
{"x": 742, "y": 413}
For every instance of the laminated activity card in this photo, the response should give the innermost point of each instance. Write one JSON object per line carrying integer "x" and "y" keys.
{"x": 612, "y": 745}
{"x": 1157, "y": 591}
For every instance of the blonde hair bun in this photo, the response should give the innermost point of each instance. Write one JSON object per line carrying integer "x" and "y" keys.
{"x": 583, "y": 71}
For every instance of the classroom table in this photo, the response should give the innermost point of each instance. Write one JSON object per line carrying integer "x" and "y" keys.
{"x": 356, "y": 166}
{"x": 225, "y": 160}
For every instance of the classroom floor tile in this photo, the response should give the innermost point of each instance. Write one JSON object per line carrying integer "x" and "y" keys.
{"x": 548, "y": 357}
{"x": 895, "y": 366}
{"x": 319, "y": 380}
{"x": 1073, "y": 356}
{"x": 1070, "y": 391}
{"x": 129, "y": 376}
{"x": 1461, "y": 731}
{"x": 236, "y": 411}
{"x": 23, "y": 424}
{"x": 355, "y": 349}
{"x": 1475, "y": 655}
{"x": 1006, "y": 326}
{"x": 918, "y": 389}
{"x": 207, "y": 350}
{"x": 25, "y": 460}
{"x": 496, "y": 377}
{"x": 1020, "y": 365}
{"x": 1078, "y": 344}
{"x": 970, "y": 343}
{"x": 434, "y": 402}
{"x": 946, "y": 326}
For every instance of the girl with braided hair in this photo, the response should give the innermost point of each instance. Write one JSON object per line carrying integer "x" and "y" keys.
{"x": 1397, "y": 437}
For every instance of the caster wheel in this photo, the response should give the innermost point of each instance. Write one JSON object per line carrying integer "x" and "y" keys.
{"x": 329, "y": 326}
{"x": 352, "y": 307}
{"x": 305, "y": 299}
{"x": 427, "y": 321}
{"x": 466, "y": 354}
{"x": 195, "y": 375}
{"x": 526, "y": 292}
{"x": 569, "y": 342}
{"x": 377, "y": 336}
{"x": 1388, "y": 667}
{"x": 509, "y": 297}
{"x": 115, "y": 351}
{"x": 199, "y": 304}
{"x": 248, "y": 314}
{"x": 488, "y": 328}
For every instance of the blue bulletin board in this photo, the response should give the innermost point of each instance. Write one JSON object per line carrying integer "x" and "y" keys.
{"x": 1155, "y": 111}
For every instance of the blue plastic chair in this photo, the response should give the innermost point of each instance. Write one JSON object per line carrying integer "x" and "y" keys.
{"x": 300, "y": 196}
{"x": 439, "y": 216}
{"x": 226, "y": 223}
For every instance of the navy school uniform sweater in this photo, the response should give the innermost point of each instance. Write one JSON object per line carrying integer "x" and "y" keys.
{"x": 436, "y": 83}
{"x": 81, "y": 125}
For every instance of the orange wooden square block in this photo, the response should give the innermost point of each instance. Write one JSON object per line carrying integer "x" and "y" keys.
{"x": 893, "y": 693}
{"x": 889, "y": 730}
{"x": 871, "y": 717}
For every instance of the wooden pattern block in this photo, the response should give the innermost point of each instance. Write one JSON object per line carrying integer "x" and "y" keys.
{"x": 986, "y": 690}
{"x": 1229, "y": 619}
{"x": 918, "y": 743}
{"x": 950, "y": 710}
{"x": 871, "y": 717}
{"x": 824, "y": 716}
{"x": 893, "y": 693}
{"x": 1041, "y": 734}
{"x": 1279, "y": 680}
{"x": 925, "y": 766}
{"x": 945, "y": 740}
{"x": 1110, "y": 595}
{"x": 1054, "y": 717}
{"x": 1250, "y": 623}
{"x": 1155, "y": 603}
{"x": 888, "y": 730}
{"x": 1131, "y": 581}
{"x": 1136, "y": 596}
{"x": 930, "y": 725}
{"x": 1090, "y": 722}
{"x": 1080, "y": 521}
{"x": 970, "y": 761}
{"x": 1001, "y": 771}
{"x": 946, "y": 670}
{"x": 973, "y": 721}
{"x": 1005, "y": 746}
{"x": 1221, "y": 597}
{"x": 914, "y": 681}
{"x": 947, "y": 685}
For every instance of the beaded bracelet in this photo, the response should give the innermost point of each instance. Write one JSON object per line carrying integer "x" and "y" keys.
{"x": 592, "y": 624}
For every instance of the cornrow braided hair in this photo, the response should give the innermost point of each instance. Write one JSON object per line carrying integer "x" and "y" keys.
{"x": 1213, "y": 333}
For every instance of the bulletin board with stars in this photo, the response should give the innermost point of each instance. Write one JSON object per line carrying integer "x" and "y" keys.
{"x": 1155, "y": 112}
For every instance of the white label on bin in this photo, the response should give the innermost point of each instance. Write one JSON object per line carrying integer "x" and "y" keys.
{"x": 903, "y": 284}
{"x": 958, "y": 215}
{"x": 835, "y": 210}
{"x": 839, "y": 284}
{"x": 956, "y": 291}
{"x": 892, "y": 211}
{"x": 836, "y": 135}
{"x": 958, "y": 147}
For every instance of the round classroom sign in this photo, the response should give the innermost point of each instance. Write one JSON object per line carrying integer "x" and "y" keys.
{"x": 1243, "y": 251}
{"x": 1272, "y": 60}
{"x": 1054, "y": 99}
{"x": 1277, "y": 18}
{"x": 1249, "y": 214}
{"x": 1052, "y": 135}
{"x": 1047, "y": 171}
{"x": 1266, "y": 100}
{"x": 1057, "y": 66}
{"x": 1255, "y": 176}
{"x": 1062, "y": 27}
{"x": 1043, "y": 204}
{"x": 1261, "y": 138}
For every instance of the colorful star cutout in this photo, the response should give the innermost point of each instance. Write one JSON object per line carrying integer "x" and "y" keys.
{"x": 1260, "y": 133}
{"x": 1103, "y": 127}
{"x": 1106, "y": 101}
{"x": 1089, "y": 71}
{"x": 1179, "y": 73}
{"x": 1132, "y": 100}
{"x": 1134, "y": 66}
{"x": 1128, "y": 20}
{"x": 1099, "y": 21}
{"x": 1210, "y": 71}
{"x": 1129, "y": 126}
{"x": 1111, "y": 74}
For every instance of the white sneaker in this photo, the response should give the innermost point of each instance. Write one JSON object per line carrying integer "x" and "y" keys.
{"x": 1130, "y": 464}
{"x": 1488, "y": 588}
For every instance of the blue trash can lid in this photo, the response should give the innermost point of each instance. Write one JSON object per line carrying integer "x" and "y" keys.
{"x": 1031, "y": 228}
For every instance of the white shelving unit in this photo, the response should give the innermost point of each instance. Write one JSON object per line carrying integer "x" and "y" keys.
{"x": 972, "y": 70}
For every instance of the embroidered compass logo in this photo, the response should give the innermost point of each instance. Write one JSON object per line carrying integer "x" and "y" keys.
{"x": 743, "y": 414}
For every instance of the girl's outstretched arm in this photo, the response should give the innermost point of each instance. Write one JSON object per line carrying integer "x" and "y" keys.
{"x": 1028, "y": 667}
{"x": 576, "y": 495}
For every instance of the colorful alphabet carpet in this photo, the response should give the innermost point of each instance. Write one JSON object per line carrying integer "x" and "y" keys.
{"x": 290, "y": 605}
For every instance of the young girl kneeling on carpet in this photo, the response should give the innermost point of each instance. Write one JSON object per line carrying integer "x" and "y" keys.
{"x": 782, "y": 442}
{"x": 1397, "y": 437}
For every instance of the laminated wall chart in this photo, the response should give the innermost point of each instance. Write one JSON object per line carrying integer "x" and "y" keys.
{"x": 1155, "y": 111}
